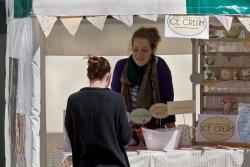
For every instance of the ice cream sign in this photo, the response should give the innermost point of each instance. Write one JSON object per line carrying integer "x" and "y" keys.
{"x": 225, "y": 128}
{"x": 217, "y": 128}
{"x": 187, "y": 26}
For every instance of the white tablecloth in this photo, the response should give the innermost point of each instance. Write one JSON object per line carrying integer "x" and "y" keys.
{"x": 174, "y": 158}
{"x": 182, "y": 158}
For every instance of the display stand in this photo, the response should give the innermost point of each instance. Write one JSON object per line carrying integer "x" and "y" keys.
{"x": 225, "y": 68}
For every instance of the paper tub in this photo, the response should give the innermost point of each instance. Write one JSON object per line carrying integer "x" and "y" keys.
{"x": 161, "y": 141}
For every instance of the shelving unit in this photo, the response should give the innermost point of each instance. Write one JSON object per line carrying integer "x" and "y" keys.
{"x": 222, "y": 39}
{"x": 212, "y": 94}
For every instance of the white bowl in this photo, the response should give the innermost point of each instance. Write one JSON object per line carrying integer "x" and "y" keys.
{"x": 161, "y": 141}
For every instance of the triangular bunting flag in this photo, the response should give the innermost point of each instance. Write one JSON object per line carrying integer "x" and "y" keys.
{"x": 71, "y": 23}
{"x": 245, "y": 21}
{"x": 97, "y": 21}
{"x": 47, "y": 23}
{"x": 127, "y": 19}
{"x": 152, "y": 17}
{"x": 226, "y": 21}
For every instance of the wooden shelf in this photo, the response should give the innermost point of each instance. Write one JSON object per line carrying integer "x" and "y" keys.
{"x": 213, "y": 109}
{"x": 223, "y": 88}
{"x": 230, "y": 144}
{"x": 223, "y": 39}
{"x": 238, "y": 67}
{"x": 214, "y": 54}
{"x": 224, "y": 94}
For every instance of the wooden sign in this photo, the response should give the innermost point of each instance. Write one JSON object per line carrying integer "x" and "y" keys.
{"x": 140, "y": 116}
{"x": 159, "y": 110}
{"x": 181, "y": 107}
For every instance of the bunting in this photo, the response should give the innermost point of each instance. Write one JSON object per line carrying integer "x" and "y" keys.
{"x": 71, "y": 24}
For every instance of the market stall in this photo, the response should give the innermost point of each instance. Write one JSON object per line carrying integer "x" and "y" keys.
{"x": 24, "y": 133}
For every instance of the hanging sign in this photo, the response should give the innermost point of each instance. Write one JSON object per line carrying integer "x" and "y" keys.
{"x": 159, "y": 110}
{"x": 196, "y": 78}
{"x": 140, "y": 116}
{"x": 181, "y": 107}
{"x": 183, "y": 26}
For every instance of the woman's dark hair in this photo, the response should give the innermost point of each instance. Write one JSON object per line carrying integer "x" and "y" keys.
{"x": 97, "y": 67}
{"x": 151, "y": 34}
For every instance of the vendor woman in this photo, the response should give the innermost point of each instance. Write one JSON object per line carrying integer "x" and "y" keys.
{"x": 143, "y": 78}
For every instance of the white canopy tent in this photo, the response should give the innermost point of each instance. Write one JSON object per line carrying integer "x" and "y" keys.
{"x": 23, "y": 63}
{"x": 108, "y": 7}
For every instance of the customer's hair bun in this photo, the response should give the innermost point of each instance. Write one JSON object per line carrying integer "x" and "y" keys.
{"x": 94, "y": 63}
{"x": 97, "y": 67}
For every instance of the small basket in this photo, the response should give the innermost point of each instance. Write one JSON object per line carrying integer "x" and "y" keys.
{"x": 161, "y": 141}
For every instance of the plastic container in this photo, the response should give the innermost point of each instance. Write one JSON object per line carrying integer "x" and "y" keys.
{"x": 161, "y": 141}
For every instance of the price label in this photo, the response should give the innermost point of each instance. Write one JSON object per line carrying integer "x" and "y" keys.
{"x": 140, "y": 116}
{"x": 181, "y": 107}
{"x": 159, "y": 110}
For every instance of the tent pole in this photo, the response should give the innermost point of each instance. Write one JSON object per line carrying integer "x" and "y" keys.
{"x": 43, "y": 130}
{"x": 3, "y": 28}
{"x": 194, "y": 70}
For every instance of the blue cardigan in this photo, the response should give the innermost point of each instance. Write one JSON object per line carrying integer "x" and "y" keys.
{"x": 164, "y": 79}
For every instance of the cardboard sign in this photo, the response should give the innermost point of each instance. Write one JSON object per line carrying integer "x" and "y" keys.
{"x": 187, "y": 26}
{"x": 181, "y": 107}
{"x": 159, "y": 110}
{"x": 244, "y": 122}
{"x": 224, "y": 128}
{"x": 140, "y": 116}
{"x": 217, "y": 128}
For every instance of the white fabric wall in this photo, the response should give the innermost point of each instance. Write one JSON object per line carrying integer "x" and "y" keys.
{"x": 21, "y": 44}
{"x": 67, "y": 74}
{"x": 64, "y": 78}
{"x": 113, "y": 40}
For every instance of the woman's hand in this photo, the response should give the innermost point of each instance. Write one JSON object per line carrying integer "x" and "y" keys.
{"x": 170, "y": 125}
{"x": 139, "y": 133}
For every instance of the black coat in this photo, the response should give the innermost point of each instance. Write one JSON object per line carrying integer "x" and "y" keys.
{"x": 97, "y": 128}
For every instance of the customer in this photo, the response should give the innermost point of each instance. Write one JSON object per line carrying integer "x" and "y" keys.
{"x": 96, "y": 121}
{"x": 143, "y": 78}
